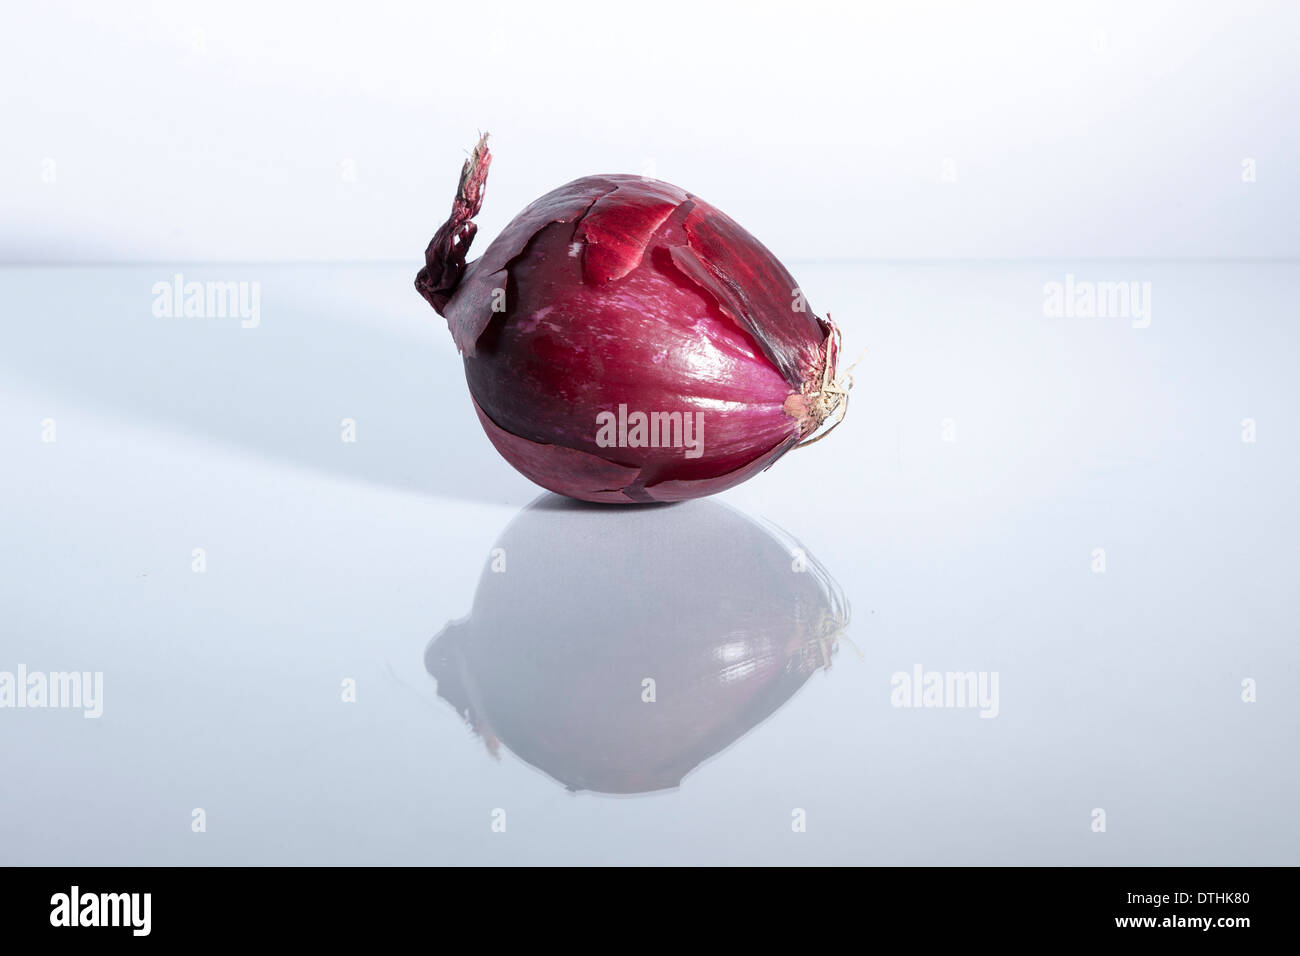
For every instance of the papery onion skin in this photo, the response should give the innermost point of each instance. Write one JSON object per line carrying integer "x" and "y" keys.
{"x": 622, "y": 290}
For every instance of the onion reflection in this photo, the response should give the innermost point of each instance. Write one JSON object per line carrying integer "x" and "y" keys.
{"x": 617, "y": 649}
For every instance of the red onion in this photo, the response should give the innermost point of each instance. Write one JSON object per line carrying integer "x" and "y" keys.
{"x": 624, "y": 341}
{"x": 695, "y": 624}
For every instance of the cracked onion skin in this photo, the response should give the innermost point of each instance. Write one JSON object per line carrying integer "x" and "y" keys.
{"x": 620, "y": 290}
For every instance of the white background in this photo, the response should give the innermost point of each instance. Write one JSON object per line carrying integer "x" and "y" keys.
{"x": 223, "y": 131}
{"x": 329, "y": 561}
{"x": 992, "y": 449}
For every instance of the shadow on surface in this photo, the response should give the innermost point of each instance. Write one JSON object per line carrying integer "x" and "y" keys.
{"x": 333, "y": 343}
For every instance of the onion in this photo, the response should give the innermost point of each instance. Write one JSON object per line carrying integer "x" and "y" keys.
{"x": 624, "y": 341}
{"x": 724, "y": 615}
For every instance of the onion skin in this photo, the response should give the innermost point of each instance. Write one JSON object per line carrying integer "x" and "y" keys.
{"x": 698, "y": 598}
{"x": 621, "y": 290}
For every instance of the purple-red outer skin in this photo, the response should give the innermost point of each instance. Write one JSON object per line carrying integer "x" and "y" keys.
{"x": 625, "y": 290}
